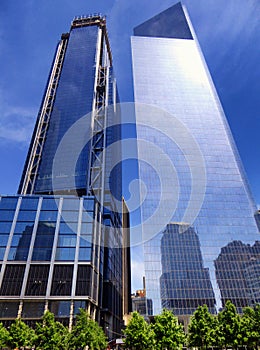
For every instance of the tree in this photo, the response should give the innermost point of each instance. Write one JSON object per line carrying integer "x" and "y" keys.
{"x": 50, "y": 334}
{"x": 21, "y": 335}
{"x": 168, "y": 334}
{"x": 4, "y": 336}
{"x": 87, "y": 332}
{"x": 250, "y": 327}
{"x": 201, "y": 328}
{"x": 139, "y": 336}
{"x": 229, "y": 326}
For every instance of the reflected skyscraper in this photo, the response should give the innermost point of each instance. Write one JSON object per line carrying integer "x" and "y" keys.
{"x": 191, "y": 170}
{"x": 238, "y": 273}
{"x": 63, "y": 238}
{"x": 184, "y": 282}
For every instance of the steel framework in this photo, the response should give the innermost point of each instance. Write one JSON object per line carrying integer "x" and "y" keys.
{"x": 43, "y": 121}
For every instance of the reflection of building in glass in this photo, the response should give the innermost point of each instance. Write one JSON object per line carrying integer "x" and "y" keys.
{"x": 140, "y": 303}
{"x": 43, "y": 242}
{"x": 178, "y": 111}
{"x": 238, "y": 273}
{"x": 184, "y": 283}
{"x": 61, "y": 239}
{"x": 257, "y": 219}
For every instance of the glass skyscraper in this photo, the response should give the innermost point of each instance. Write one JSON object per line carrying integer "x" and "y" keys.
{"x": 64, "y": 241}
{"x": 200, "y": 235}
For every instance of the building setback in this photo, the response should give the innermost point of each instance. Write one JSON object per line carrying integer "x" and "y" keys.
{"x": 193, "y": 174}
{"x": 63, "y": 244}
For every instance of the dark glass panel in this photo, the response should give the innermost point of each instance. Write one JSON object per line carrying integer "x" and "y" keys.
{"x": 13, "y": 279}
{"x": 37, "y": 280}
{"x": 84, "y": 274}
{"x": 60, "y": 308}
{"x": 33, "y": 309}
{"x": 79, "y": 304}
{"x": 9, "y": 309}
{"x": 62, "y": 280}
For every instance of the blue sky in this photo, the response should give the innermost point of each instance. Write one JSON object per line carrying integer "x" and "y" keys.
{"x": 29, "y": 31}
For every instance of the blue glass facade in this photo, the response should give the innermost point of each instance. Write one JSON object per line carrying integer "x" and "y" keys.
{"x": 72, "y": 102}
{"x": 195, "y": 176}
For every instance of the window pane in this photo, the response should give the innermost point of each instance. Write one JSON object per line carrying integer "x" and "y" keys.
{"x": 3, "y": 240}
{"x": 86, "y": 228}
{"x": 48, "y": 215}
{"x": 67, "y": 241}
{"x": 84, "y": 254}
{"x": 85, "y": 241}
{"x": 50, "y": 204}
{"x": 2, "y": 253}
{"x": 26, "y": 215}
{"x": 8, "y": 202}
{"x": 29, "y": 203}
{"x": 7, "y": 215}
{"x": 70, "y": 227}
{"x": 66, "y": 254}
{"x": 70, "y": 204}
{"x": 5, "y": 227}
{"x": 21, "y": 227}
{"x": 18, "y": 254}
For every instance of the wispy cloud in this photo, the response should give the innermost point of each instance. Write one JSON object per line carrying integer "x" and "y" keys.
{"x": 16, "y": 123}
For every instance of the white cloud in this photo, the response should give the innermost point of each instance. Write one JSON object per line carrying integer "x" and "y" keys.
{"x": 16, "y": 123}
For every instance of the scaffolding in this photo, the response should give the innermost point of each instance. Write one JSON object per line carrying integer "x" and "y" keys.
{"x": 34, "y": 160}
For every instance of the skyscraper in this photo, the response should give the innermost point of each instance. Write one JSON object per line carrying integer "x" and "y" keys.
{"x": 191, "y": 170}
{"x": 184, "y": 282}
{"x": 63, "y": 237}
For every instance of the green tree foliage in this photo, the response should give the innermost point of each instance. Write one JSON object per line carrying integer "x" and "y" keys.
{"x": 21, "y": 335}
{"x": 4, "y": 336}
{"x": 168, "y": 333}
{"x": 50, "y": 334}
{"x": 139, "y": 336}
{"x": 202, "y": 328}
{"x": 87, "y": 332}
{"x": 250, "y": 327}
{"x": 229, "y": 327}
